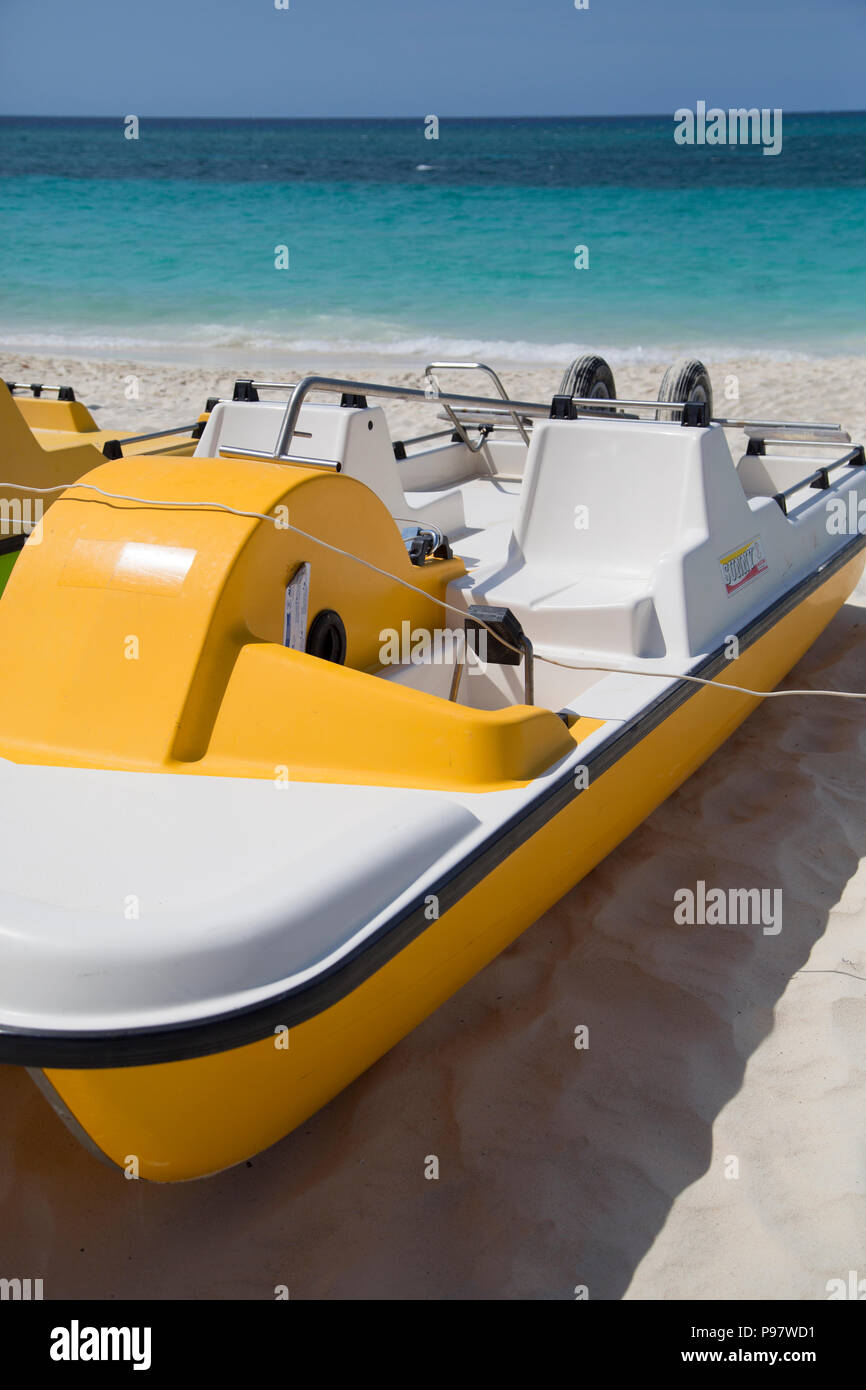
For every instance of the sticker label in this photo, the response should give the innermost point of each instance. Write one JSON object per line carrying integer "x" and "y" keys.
{"x": 297, "y": 603}
{"x": 743, "y": 564}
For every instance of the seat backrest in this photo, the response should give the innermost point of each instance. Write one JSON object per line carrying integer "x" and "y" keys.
{"x": 652, "y": 508}
{"x": 357, "y": 439}
{"x": 762, "y": 475}
{"x": 602, "y": 493}
{"x": 45, "y": 413}
{"x": 25, "y": 465}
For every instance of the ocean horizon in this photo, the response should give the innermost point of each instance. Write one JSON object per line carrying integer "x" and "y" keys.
{"x": 399, "y": 246}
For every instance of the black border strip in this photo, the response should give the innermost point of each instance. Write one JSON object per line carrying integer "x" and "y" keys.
{"x": 16, "y": 542}
{"x": 222, "y": 1033}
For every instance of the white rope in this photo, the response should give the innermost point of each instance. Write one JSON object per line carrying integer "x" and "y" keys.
{"x": 700, "y": 680}
{"x": 415, "y": 589}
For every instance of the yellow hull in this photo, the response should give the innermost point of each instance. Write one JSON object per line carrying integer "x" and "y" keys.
{"x": 186, "y": 1119}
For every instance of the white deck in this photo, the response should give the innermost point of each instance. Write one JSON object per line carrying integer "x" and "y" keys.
{"x": 607, "y": 538}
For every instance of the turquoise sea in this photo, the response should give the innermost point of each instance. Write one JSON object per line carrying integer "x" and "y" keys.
{"x": 404, "y": 245}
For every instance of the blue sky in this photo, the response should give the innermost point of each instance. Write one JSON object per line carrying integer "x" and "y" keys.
{"x": 405, "y": 57}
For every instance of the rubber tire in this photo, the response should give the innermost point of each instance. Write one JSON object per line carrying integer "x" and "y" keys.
{"x": 687, "y": 379}
{"x": 588, "y": 376}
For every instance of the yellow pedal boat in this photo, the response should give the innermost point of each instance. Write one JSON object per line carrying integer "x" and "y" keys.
{"x": 301, "y": 725}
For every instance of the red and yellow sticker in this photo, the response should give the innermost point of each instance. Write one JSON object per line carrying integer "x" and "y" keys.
{"x": 743, "y": 564}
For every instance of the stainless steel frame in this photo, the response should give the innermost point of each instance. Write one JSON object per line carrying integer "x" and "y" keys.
{"x": 113, "y": 448}
{"x": 37, "y": 387}
{"x": 790, "y": 431}
{"x": 339, "y": 386}
{"x": 813, "y": 435}
{"x": 521, "y": 412}
{"x": 476, "y": 367}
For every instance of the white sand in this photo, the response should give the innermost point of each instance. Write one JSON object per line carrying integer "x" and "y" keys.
{"x": 558, "y": 1167}
{"x": 831, "y": 389}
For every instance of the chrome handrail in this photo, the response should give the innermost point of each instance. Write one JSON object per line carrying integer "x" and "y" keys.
{"x": 477, "y": 367}
{"x": 37, "y": 387}
{"x": 422, "y": 438}
{"x": 232, "y": 451}
{"x": 820, "y": 479}
{"x": 754, "y": 429}
{"x": 113, "y": 448}
{"x": 339, "y": 385}
{"x": 532, "y": 409}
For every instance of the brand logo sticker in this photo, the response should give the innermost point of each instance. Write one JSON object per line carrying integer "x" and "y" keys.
{"x": 743, "y": 564}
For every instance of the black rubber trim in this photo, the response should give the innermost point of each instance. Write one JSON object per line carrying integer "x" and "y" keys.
{"x": 178, "y": 1042}
{"x": 8, "y": 543}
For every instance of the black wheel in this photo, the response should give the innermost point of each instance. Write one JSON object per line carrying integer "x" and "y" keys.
{"x": 327, "y": 637}
{"x": 687, "y": 379}
{"x": 588, "y": 378}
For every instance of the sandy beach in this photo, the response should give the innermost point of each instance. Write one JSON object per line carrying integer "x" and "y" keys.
{"x": 767, "y": 388}
{"x": 709, "y": 1143}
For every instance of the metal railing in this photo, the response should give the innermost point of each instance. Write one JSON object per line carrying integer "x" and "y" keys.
{"x": 854, "y": 458}
{"x": 340, "y": 386}
{"x": 64, "y": 393}
{"x": 113, "y": 448}
{"x": 482, "y": 410}
{"x": 795, "y": 434}
{"x": 468, "y": 415}
{"x": 343, "y": 386}
{"x": 475, "y": 367}
{"x": 788, "y": 431}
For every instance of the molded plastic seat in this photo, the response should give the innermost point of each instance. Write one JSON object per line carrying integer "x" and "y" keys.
{"x": 613, "y": 549}
{"x": 357, "y": 439}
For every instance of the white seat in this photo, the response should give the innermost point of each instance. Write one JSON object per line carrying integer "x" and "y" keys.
{"x": 618, "y": 538}
{"x": 356, "y": 438}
